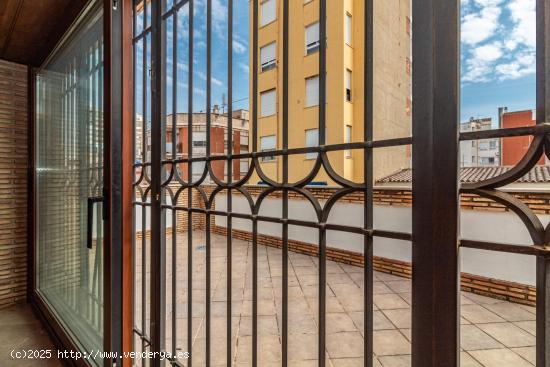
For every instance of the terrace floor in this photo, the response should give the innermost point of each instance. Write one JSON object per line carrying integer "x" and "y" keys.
{"x": 494, "y": 333}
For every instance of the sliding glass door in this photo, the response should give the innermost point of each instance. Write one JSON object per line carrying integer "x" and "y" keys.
{"x": 69, "y": 182}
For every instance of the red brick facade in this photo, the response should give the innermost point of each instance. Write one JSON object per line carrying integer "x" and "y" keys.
{"x": 513, "y": 149}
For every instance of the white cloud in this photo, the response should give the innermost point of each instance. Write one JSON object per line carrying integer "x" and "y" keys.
{"x": 239, "y": 47}
{"x": 523, "y": 14}
{"x": 524, "y": 64}
{"x": 479, "y": 26}
{"x": 488, "y": 53}
{"x": 498, "y": 40}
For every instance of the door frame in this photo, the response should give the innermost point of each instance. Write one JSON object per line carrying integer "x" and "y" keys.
{"x": 118, "y": 110}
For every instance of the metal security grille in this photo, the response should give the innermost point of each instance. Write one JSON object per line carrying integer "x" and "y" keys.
{"x": 165, "y": 186}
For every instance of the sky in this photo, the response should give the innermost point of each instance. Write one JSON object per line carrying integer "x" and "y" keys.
{"x": 497, "y": 56}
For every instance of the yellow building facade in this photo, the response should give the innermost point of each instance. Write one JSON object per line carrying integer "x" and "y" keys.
{"x": 344, "y": 80}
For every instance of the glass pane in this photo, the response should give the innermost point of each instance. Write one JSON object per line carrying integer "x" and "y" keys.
{"x": 69, "y": 171}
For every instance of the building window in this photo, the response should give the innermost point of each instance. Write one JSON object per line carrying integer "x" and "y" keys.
{"x": 199, "y": 139}
{"x": 268, "y": 103}
{"x": 347, "y": 140}
{"x": 312, "y": 140}
{"x": 268, "y": 144}
{"x": 268, "y": 12}
{"x": 492, "y": 144}
{"x": 348, "y": 85}
{"x": 312, "y": 91}
{"x": 312, "y": 38}
{"x": 243, "y": 166}
{"x": 198, "y": 169}
{"x": 349, "y": 29}
{"x": 267, "y": 56}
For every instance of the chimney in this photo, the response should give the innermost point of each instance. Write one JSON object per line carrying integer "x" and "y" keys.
{"x": 501, "y": 111}
{"x": 216, "y": 109}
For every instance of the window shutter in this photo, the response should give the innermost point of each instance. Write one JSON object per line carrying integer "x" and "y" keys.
{"x": 267, "y": 56}
{"x": 268, "y": 12}
{"x": 312, "y": 37}
{"x": 348, "y": 140}
{"x": 312, "y": 140}
{"x": 348, "y": 85}
{"x": 312, "y": 91}
{"x": 349, "y": 29}
{"x": 268, "y": 103}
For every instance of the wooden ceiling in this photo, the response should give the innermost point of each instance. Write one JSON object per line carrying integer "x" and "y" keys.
{"x": 30, "y": 29}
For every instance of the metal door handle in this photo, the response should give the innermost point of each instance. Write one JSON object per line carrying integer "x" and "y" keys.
{"x": 90, "y": 224}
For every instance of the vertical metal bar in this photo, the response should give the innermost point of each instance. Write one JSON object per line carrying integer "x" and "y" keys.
{"x": 190, "y": 190}
{"x": 112, "y": 163}
{"x": 368, "y": 214}
{"x": 543, "y": 115}
{"x": 435, "y": 327}
{"x": 144, "y": 97}
{"x": 145, "y": 68}
{"x": 229, "y": 175}
{"x": 254, "y": 291}
{"x": 208, "y": 153}
{"x": 174, "y": 167}
{"x": 254, "y": 150}
{"x": 286, "y": 71}
{"x": 158, "y": 147}
{"x": 543, "y": 304}
{"x": 322, "y": 70}
{"x": 255, "y": 75}
{"x": 322, "y": 141}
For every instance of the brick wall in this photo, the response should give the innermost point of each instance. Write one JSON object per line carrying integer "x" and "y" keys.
{"x": 496, "y": 288}
{"x": 13, "y": 183}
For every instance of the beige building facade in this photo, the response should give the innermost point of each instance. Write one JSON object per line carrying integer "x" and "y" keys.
{"x": 345, "y": 84}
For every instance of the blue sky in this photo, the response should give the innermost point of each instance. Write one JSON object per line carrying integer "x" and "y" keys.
{"x": 497, "y": 56}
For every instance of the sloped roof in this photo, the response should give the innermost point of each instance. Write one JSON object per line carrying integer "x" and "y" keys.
{"x": 539, "y": 174}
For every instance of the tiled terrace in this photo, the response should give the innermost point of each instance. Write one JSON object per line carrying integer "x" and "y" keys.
{"x": 493, "y": 333}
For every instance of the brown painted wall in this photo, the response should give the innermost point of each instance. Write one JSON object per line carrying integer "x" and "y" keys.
{"x": 13, "y": 183}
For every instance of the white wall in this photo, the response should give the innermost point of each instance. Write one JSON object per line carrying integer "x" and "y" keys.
{"x": 138, "y": 215}
{"x": 502, "y": 227}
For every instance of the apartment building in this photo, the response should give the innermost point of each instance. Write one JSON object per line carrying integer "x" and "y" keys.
{"x": 218, "y": 141}
{"x": 345, "y": 84}
{"x": 513, "y": 149}
{"x": 477, "y": 153}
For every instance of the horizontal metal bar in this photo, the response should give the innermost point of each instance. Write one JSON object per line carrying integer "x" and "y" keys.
{"x": 508, "y": 248}
{"x": 540, "y": 129}
{"x": 141, "y": 203}
{"x": 174, "y": 8}
{"x": 392, "y": 234}
{"x": 142, "y": 164}
{"x": 296, "y": 222}
{"x": 141, "y": 35}
{"x": 293, "y": 151}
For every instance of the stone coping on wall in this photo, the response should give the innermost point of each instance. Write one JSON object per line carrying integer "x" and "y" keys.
{"x": 538, "y": 201}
